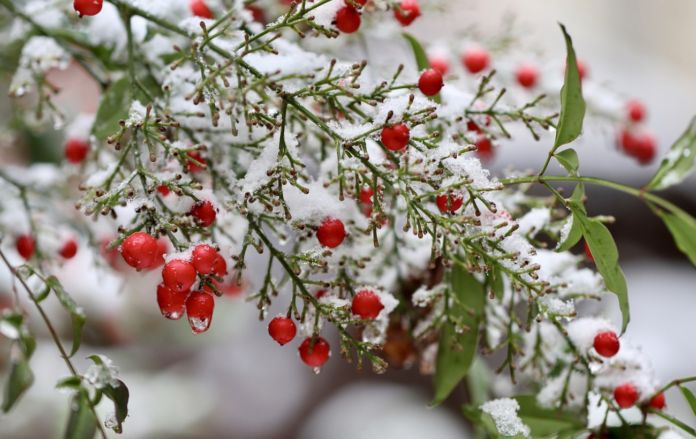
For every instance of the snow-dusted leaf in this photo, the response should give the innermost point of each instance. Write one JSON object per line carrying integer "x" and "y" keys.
{"x": 568, "y": 158}
{"x": 119, "y": 395}
{"x": 77, "y": 315}
{"x": 456, "y": 352}
{"x": 421, "y": 59}
{"x": 678, "y": 163}
{"x": 683, "y": 229}
{"x": 572, "y": 102}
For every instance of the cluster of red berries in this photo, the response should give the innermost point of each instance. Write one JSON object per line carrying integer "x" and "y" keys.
{"x": 26, "y": 247}
{"x": 632, "y": 138}
{"x": 88, "y": 7}
{"x": 366, "y": 305}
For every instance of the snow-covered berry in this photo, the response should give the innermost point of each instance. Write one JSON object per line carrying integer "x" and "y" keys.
{"x": 171, "y": 303}
{"x": 204, "y": 259}
{"x": 449, "y": 203}
{"x": 407, "y": 12}
{"x": 430, "y": 82}
{"x": 88, "y": 7}
{"x": 204, "y": 213}
{"x": 139, "y": 250}
{"x": 395, "y": 138}
{"x": 319, "y": 353}
{"x": 331, "y": 233}
{"x": 282, "y": 329}
{"x": 607, "y": 344}
{"x": 366, "y": 304}
{"x": 179, "y": 275}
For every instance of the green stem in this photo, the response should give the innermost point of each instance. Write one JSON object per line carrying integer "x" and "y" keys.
{"x": 673, "y": 420}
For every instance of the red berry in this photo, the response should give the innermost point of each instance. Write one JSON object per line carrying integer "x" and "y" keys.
{"x": 88, "y": 7}
{"x": 626, "y": 395}
{"x": 256, "y": 12}
{"x": 475, "y": 59}
{"x": 607, "y": 344}
{"x": 163, "y": 190}
{"x": 162, "y": 249}
{"x": 471, "y": 126}
{"x": 430, "y": 82}
{"x": 69, "y": 249}
{"x": 636, "y": 110}
{"x": 199, "y": 308}
{"x": 396, "y": 138}
{"x": 220, "y": 268}
{"x": 26, "y": 246}
{"x": 139, "y": 250}
{"x": 484, "y": 147}
{"x": 527, "y": 75}
{"x": 658, "y": 401}
{"x": 205, "y": 213}
{"x": 319, "y": 354}
{"x": 582, "y": 68}
{"x": 282, "y": 330}
{"x": 171, "y": 303}
{"x": 348, "y": 19}
{"x": 204, "y": 259}
{"x": 367, "y": 195}
{"x": 640, "y": 145}
{"x": 200, "y": 9}
{"x": 76, "y": 150}
{"x": 367, "y": 305}
{"x": 588, "y": 252}
{"x": 179, "y": 275}
{"x": 195, "y": 155}
{"x": 410, "y": 10}
{"x": 331, "y": 233}
{"x": 449, "y": 203}
{"x": 439, "y": 63}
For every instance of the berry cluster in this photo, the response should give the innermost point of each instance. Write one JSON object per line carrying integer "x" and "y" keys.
{"x": 633, "y": 138}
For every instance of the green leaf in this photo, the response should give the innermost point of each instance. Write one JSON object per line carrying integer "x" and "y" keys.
{"x": 20, "y": 378}
{"x": 678, "y": 163}
{"x": 481, "y": 419}
{"x": 82, "y": 423}
{"x": 545, "y": 423}
{"x": 572, "y": 102}
{"x": 683, "y": 229}
{"x": 421, "y": 60}
{"x": 114, "y": 106}
{"x": 573, "y": 237}
{"x": 119, "y": 395}
{"x": 606, "y": 256}
{"x": 453, "y": 363}
{"x": 76, "y": 313}
{"x": 71, "y": 382}
{"x": 568, "y": 158}
{"x": 690, "y": 398}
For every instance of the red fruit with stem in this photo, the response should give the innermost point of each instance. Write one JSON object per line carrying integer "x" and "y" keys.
{"x": 527, "y": 75}
{"x": 139, "y": 250}
{"x": 348, "y": 19}
{"x": 626, "y": 395}
{"x": 179, "y": 275}
{"x": 588, "y": 252}
{"x": 439, "y": 63}
{"x": 193, "y": 166}
{"x": 658, "y": 401}
{"x": 319, "y": 353}
{"x": 88, "y": 7}
{"x": 410, "y": 10}
{"x": 200, "y": 9}
{"x": 484, "y": 147}
{"x": 163, "y": 190}
{"x": 607, "y": 344}
{"x": 76, "y": 150}
{"x": 396, "y": 138}
{"x": 430, "y": 82}
{"x": 204, "y": 259}
{"x": 26, "y": 246}
{"x": 367, "y": 305}
{"x": 282, "y": 330}
{"x": 69, "y": 249}
{"x": 199, "y": 308}
{"x": 331, "y": 233}
{"x": 205, "y": 213}
{"x": 475, "y": 59}
{"x": 636, "y": 110}
{"x": 171, "y": 303}
{"x": 449, "y": 203}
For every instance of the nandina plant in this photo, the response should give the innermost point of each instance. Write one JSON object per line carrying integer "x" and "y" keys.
{"x": 219, "y": 134}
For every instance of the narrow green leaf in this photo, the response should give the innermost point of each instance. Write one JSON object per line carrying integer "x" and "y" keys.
{"x": 114, "y": 106}
{"x": 456, "y": 352}
{"x": 683, "y": 229}
{"x": 421, "y": 60}
{"x": 71, "y": 382}
{"x": 572, "y": 102}
{"x": 77, "y": 314}
{"x": 690, "y": 398}
{"x": 19, "y": 379}
{"x": 578, "y": 198}
{"x": 568, "y": 158}
{"x": 82, "y": 423}
{"x": 678, "y": 163}
{"x": 119, "y": 395}
{"x": 573, "y": 237}
{"x": 545, "y": 423}
{"x": 606, "y": 257}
